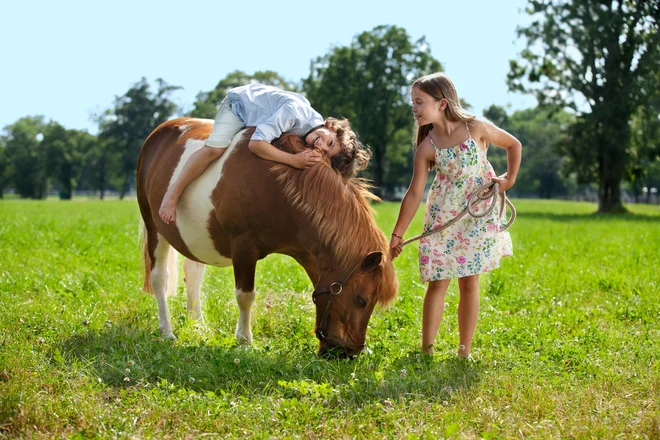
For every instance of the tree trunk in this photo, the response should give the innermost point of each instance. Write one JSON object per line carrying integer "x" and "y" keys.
{"x": 66, "y": 193}
{"x": 612, "y": 141}
{"x": 124, "y": 187}
{"x": 609, "y": 195}
{"x": 102, "y": 177}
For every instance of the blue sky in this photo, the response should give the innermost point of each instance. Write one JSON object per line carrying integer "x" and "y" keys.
{"x": 68, "y": 59}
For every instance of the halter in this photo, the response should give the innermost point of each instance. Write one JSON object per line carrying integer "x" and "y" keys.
{"x": 333, "y": 290}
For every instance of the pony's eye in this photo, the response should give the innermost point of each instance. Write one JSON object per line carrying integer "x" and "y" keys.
{"x": 361, "y": 301}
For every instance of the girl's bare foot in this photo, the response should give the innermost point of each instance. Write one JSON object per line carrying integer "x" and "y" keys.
{"x": 167, "y": 210}
{"x": 463, "y": 353}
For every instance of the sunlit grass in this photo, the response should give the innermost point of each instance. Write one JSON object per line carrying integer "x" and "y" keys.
{"x": 566, "y": 345}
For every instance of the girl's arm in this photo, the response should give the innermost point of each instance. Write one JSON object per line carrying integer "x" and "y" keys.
{"x": 268, "y": 151}
{"x": 424, "y": 156}
{"x": 492, "y": 134}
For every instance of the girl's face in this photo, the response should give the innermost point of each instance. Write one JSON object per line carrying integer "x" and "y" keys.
{"x": 325, "y": 140}
{"x": 426, "y": 108}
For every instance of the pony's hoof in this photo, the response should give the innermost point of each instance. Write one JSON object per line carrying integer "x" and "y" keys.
{"x": 244, "y": 339}
{"x": 167, "y": 334}
{"x": 198, "y": 318}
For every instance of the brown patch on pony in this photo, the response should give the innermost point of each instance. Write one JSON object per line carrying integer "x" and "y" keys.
{"x": 339, "y": 208}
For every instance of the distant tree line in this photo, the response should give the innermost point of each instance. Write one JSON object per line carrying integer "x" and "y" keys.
{"x": 612, "y": 138}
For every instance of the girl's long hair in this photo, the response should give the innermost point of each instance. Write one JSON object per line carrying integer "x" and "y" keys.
{"x": 438, "y": 85}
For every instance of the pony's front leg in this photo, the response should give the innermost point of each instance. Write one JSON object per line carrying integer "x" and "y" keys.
{"x": 194, "y": 276}
{"x": 245, "y": 263}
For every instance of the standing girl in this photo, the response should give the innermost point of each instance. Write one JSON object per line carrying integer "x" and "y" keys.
{"x": 454, "y": 143}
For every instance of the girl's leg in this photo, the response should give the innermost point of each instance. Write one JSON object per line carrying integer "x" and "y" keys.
{"x": 434, "y": 307}
{"x": 468, "y": 312}
{"x": 194, "y": 167}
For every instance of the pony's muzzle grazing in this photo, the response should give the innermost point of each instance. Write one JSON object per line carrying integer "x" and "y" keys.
{"x": 339, "y": 349}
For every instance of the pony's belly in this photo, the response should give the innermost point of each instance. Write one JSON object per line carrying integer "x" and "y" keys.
{"x": 195, "y": 208}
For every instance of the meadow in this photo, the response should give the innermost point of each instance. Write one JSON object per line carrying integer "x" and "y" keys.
{"x": 566, "y": 346}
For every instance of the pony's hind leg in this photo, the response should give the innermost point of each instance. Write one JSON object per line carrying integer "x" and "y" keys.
{"x": 194, "y": 276}
{"x": 164, "y": 277}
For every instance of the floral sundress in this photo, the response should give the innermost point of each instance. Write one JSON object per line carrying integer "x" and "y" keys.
{"x": 471, "y": 245}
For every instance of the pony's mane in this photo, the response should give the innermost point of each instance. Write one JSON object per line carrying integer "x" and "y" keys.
{"x": 339, "y": 208}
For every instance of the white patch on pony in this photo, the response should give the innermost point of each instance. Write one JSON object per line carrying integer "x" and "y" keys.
{"x": 243, "y": 326}
{"x": 184, "y": 128}
{"x": 195, "y": 207}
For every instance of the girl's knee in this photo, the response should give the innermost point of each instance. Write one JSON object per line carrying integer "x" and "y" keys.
{"x": 468, "y": 282}
{"x": 437, "y": 287}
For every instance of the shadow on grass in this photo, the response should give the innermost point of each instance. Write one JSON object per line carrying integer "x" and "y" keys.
{"x": 588, "y": 217}
{"x": 122, "y": 357}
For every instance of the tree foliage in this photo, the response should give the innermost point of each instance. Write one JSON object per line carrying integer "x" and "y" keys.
{"x": 25, "y": 157}
{"x": 368, "y": 82}
{"x": 124, "y": 128}
{"x": 597, "y": 58}
{"x": 207, "y": 102}
{"x": 66, "y": 151}
{"x": 541, "y": 133}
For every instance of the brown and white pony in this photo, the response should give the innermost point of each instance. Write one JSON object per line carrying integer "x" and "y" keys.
{"x": 242, "y": 209}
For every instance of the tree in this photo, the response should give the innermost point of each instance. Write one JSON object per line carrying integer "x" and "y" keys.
{"x": 368, "y": 82}
{"x": 101, "y": 165}
{"x": 541, "y": 134}
{"x": 644, "y": 151}
{"x": 5, "y": 168}
{"x": 22, "y": 141}
{"x": 134, "y": 116}
{"x": 66, "y": 151}
{"x": 597, "y": 58}
{"x": 207, "y": 102}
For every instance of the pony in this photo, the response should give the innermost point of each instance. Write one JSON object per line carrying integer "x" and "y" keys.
{"x": 243, "y": 208}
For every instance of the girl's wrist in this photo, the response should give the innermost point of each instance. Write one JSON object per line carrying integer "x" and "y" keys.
{"x": 394, "y": 234}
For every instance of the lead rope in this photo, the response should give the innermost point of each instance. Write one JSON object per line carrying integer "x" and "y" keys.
{"x": 485, "y": 192}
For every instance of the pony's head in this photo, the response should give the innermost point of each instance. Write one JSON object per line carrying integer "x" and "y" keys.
{"x": 353, "y": 263}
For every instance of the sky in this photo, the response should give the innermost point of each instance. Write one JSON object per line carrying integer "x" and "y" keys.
{"x": 67, "y": 60}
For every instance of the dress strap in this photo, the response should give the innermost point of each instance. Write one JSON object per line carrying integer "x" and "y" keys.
{"x": 468, "y": 130}
{"x": 431, "y": 139}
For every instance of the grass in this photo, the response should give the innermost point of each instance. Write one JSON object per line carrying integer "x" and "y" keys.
{"x": 566, "y": 346}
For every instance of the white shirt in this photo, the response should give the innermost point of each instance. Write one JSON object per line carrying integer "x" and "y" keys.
{"x": 273, "y": 111}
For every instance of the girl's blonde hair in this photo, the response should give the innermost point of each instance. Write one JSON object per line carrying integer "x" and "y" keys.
{"x": 439, "y": 86}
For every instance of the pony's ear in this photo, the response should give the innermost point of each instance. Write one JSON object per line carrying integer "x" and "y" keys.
{"x": 372, "y": 261}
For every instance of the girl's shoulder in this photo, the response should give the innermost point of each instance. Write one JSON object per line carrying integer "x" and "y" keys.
{"x": 426, "y": 150}
{"x": 426, "y": 146}
{"x": 481, "y": 131}
{"x": 479, "y": 126}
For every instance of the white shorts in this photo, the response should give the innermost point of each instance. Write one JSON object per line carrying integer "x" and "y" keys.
{"x": 225, "y": 127}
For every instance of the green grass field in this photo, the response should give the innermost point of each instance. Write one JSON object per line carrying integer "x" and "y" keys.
{"x": 566, "y": 346}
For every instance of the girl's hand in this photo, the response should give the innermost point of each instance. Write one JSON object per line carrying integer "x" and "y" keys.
{"x": 504, "y": 182}
{"x": 305, "y": 159}
{"x": 395, "y": 247}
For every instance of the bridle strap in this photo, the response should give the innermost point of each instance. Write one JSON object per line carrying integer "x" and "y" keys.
{"x": 333, "y": 290}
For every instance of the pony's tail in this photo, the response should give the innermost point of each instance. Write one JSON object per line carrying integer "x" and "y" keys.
{"x": 147, "y": 264}
{"x": 146, "y": 258}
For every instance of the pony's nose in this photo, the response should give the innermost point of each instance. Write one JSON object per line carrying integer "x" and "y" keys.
{"x": 328, "y": 351}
